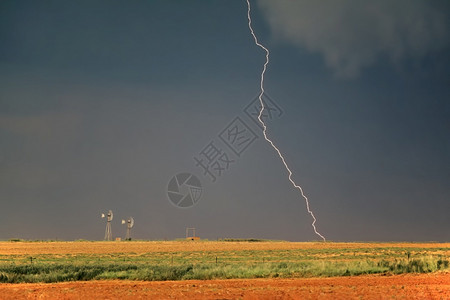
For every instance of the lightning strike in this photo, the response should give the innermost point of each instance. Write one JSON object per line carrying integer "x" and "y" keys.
{"x": 265, "y": 127}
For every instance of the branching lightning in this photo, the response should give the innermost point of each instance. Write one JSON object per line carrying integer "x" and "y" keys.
{"x": 265, "y": 127}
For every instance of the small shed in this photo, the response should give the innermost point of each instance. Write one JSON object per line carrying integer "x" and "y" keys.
{"x": 190, "y": 234}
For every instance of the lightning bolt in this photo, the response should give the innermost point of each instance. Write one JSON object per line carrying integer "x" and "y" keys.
{"x": 265, "y": 127}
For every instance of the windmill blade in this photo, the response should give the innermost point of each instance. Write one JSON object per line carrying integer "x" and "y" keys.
{"x": 131, "y": 222}
{"x": 123, "y": 222}
{"x": 103, "y": 215}
{"x": 110, "y": 212}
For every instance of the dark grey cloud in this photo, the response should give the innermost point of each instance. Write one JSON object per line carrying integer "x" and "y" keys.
{"x": 102, "y": 102}
{"x": 351, "y": 34}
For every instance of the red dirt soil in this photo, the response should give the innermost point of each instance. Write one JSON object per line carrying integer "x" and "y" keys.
{"x": 411, "y": 286}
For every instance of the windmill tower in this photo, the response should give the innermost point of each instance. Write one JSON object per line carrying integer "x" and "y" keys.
{"x": 130, "y": 224}
{"x": 108, "y": 232}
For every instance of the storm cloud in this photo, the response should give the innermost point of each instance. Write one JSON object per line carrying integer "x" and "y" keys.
{"x": 351, "y": 34}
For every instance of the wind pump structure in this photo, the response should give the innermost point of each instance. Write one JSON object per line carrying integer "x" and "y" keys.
{"x": 130, "y": 224}
{"x": 108, "y": 232}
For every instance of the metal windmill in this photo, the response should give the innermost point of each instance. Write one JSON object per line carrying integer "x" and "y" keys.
{"x": 130, "y": 224}
{"x": 108, "y": 232}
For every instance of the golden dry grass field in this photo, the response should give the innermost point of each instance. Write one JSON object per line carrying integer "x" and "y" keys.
{"x": 138, "y": 247}
{"x": 228, "y": 270}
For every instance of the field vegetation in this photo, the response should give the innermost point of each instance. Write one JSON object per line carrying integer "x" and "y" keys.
{"x": 22, "y": 262}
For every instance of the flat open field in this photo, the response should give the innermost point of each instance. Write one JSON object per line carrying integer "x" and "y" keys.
{"x": 137, "y": 247}
{"x": 226, "y": 270}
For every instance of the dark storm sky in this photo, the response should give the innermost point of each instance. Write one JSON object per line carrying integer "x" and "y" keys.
{"x": 103, "y": 102}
